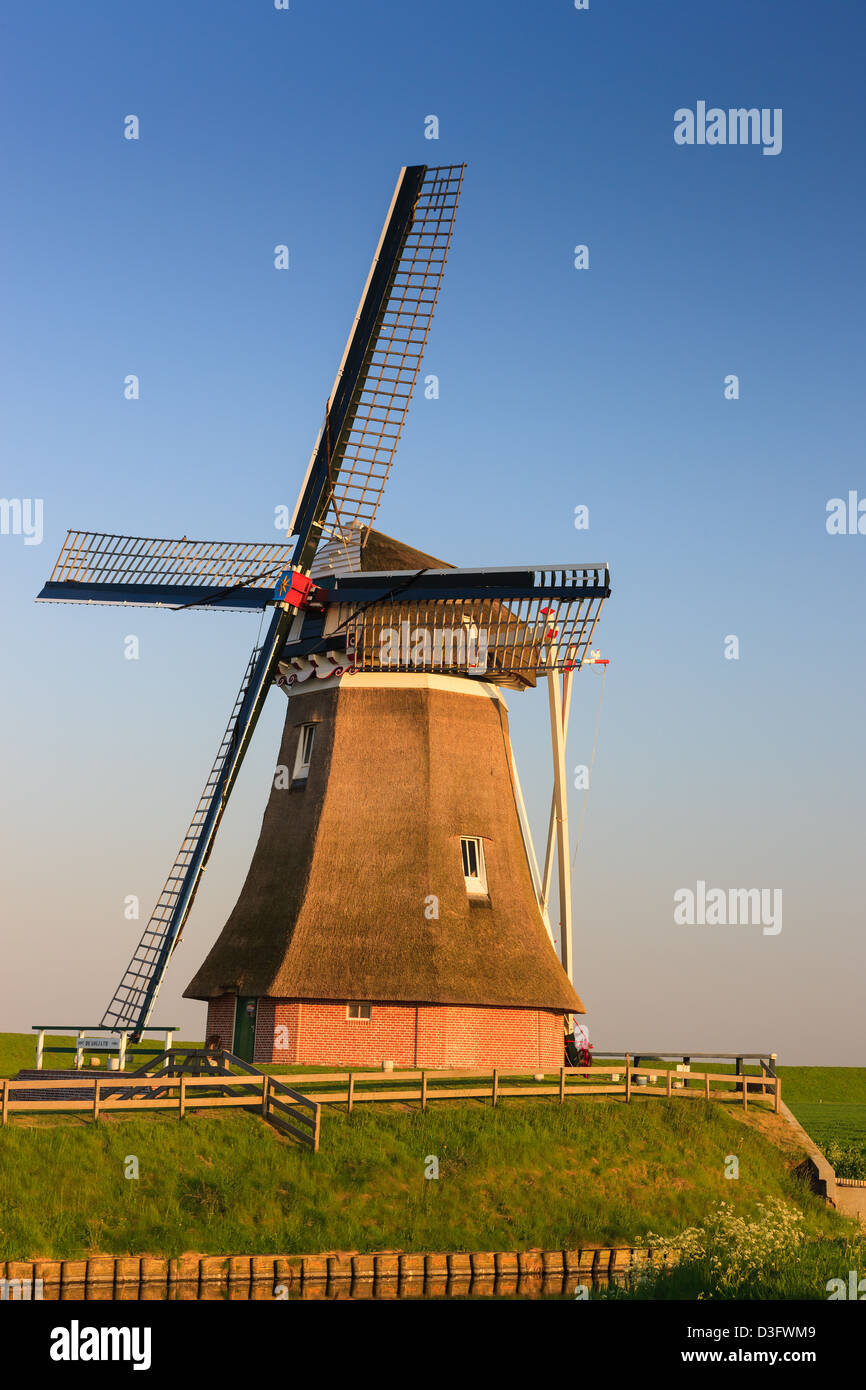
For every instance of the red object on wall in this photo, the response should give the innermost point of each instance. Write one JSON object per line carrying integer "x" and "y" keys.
{"x": 317, "y": 1032}
{"x": 298, "y": 590}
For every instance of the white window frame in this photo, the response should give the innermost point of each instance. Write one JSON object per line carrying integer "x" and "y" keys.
{"x": 360, "y": 1017}
{"x": 302, "y": 766}
{"x": 476, "y": 885}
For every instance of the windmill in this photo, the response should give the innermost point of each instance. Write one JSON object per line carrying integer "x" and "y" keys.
{"x": 359, "y": 622}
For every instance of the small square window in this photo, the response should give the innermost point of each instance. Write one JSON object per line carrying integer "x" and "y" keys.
{"x": 362, "y": 1011}
{"x": 474, "y": 871}
{"x": 305, "y": 750}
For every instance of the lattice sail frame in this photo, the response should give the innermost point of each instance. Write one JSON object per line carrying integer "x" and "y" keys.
{"x": 93, "y": 557}
{"x": 363, "y": 458}
{"x": 474, "y": 635}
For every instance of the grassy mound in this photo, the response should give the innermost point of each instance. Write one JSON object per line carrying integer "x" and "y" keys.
{"x": 525, "y": 1175}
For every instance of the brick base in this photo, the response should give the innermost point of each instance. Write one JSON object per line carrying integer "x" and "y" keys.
{"x": 317, "y": 1032}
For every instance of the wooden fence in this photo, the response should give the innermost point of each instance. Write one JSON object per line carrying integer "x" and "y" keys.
{"x": 568, "y": 1083}
{"x": 295, "y": 1112}
{"x": 300, "y": 1115}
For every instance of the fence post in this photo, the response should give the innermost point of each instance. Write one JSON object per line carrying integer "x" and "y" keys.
{"x": 318, "y": 1126}
{"x": 5, "y": 1100}
{"x": 627, "y": 1077}
{"x": 745, "y": 1094}
{"x": 670, "y": 1081}
{"x": 423, "y": 1090}
{"x": 96, "y": 1085}
{"x": 182, "y": 1097}
{"x": 495, "y": 1093}
{"x": 266, "y": 1094}
{"x": 351, "y": 1100}
{"x": 706, "y": 1085}
{"x": 561, "y": 1084}
{"x": 778, "y": 1094}
{"x": 40, "y": 1048}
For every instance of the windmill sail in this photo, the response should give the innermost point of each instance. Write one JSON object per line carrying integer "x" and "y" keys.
{"x": 377, "y": 376}
{"x": 94, "y": 567}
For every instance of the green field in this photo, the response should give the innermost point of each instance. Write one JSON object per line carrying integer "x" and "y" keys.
{"x": 836, "y": 1085}
{"x": 830, "y": 1103}
{"x": 18, "y": 1051}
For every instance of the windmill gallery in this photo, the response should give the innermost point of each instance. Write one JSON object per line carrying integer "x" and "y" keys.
{"x": 400, "y": 781}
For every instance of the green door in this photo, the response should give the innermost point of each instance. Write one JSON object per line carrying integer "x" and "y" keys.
{"x": 245, "y": 1029}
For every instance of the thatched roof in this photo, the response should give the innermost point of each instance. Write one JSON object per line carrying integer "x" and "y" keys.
{"x": 334, "y": 902}
{"x": 381, "y": 552}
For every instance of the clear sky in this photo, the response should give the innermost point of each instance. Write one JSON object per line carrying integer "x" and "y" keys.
{"x": 602, "y": 387}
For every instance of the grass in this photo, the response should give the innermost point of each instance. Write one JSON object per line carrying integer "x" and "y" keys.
{"x": 830, "y": 1103}
{"x": 840, "y": 1133}
{"x": 837, "y": 1085}
{"x": 18, "y": 1051}
{"x": 800, "y": 1275}
{"x": 526, "y": 1175}
{"x": 766, "y": 1256}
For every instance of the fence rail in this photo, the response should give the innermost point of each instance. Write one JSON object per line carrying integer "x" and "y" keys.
{"x": 567, "y": 1083}
{"x": 299, "y": 1114}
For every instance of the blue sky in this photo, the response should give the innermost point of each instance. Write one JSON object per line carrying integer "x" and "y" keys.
{"x": 558, "y": 387}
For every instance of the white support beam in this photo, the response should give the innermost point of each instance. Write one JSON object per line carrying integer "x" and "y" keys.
{"x": 560, "y": 796}
{"x": 528, "y": 845}
{"x": 551, "y": 828}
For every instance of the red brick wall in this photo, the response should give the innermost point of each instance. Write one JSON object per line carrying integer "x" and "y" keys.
{"x": 264, "y": 1026}
{"x": 317, "y": 1032}
{"x": 221, "y": 1019}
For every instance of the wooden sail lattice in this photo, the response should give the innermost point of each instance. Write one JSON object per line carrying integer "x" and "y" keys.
{"x": 363, "y": 457}
{"x": 120, "y": 565}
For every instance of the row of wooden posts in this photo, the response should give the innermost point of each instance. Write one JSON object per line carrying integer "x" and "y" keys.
{"x": 300, "y": 1114}
{"x": 691, "y": 1084}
